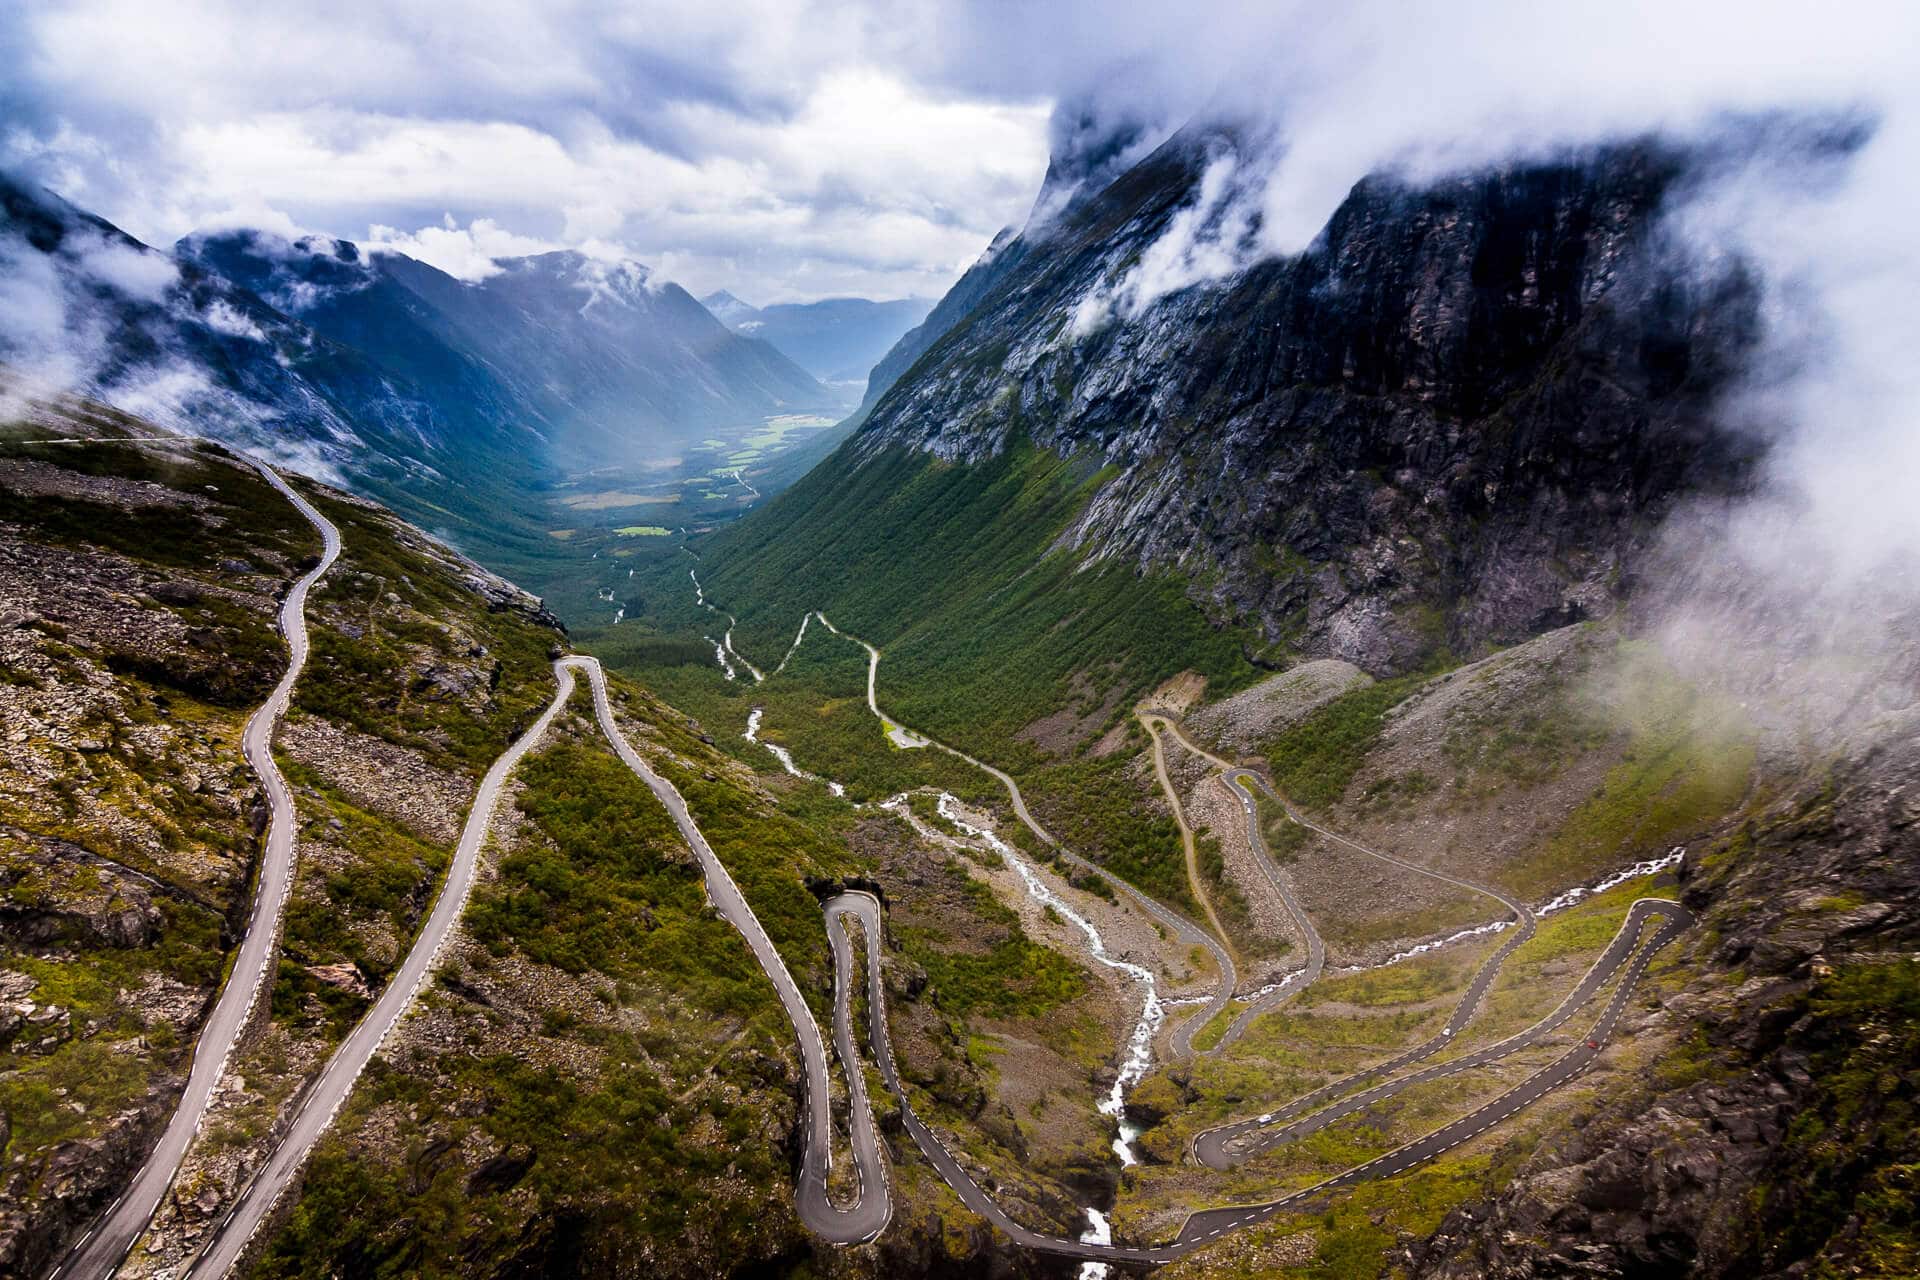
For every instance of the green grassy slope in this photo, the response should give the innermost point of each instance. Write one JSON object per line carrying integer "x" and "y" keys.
{"x": 986, "y": 627}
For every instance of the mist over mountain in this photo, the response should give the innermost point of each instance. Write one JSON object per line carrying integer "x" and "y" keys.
{"x": 611, "y": 360}
{"x": 438, "y": 394}
{"x": 1459, "y": 411}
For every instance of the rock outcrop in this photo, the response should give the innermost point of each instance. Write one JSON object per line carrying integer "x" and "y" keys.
{"x": 1452, "y": 420}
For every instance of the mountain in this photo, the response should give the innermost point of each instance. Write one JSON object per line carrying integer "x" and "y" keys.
{"x": 837, "y": 340}
{"x": 999, "y": 260}
{"x": 141, "y": 576}
{"x": 726, "y": 308}
{"x": 1452, "y": 423}
{"x": 608, "y": 359}
{"x": 1089, "y": 151}
{"x": 195, "y": 351}
{"x": 1379, "y": 528}
{"x": 454, "y": 402}
{"x": 1256, "y": 714}
{"x": 1449, "y": 422}
{"x": 599, "y": 1071}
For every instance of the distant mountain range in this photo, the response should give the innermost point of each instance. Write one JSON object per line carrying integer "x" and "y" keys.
{"x": 601, "y": 351}
{"x": 445, "y": 397}
{"x": 837, "y": 340}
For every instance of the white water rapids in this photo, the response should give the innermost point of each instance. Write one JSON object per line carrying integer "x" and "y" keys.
{"x": 1647, "y": 868}
{"x": 1139, "y": 1056}
{"x": 784, "y": 756}
{"x": 1099, "y": 1231}
{"x": 1652, "y": 865}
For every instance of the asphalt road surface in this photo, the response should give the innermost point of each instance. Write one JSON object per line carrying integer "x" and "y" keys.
{"x": 1302, "y": 978}
{"x": 1626, "y": 958}
{"x": 1226, "y": 1145}
{"x": 1207, "y": 1225}
{"x": 869, "y": 1214}
{"x": 1230, "y": 1143}
{"x": 1188, "y": 932}
{"x": 103, "y": 1247}
{"x": 329, "y": 1092}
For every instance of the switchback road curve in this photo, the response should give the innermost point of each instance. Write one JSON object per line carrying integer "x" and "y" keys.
{"x": 870, "y": 1213}
{"x": 1207, "y": 1225}
{"x": 872, "y": 1209}
{"x": 1226, "y": 1145}
{"x": 329, "y": 1092}
{"x": 1186, "y": 930}
{"x": 103, "y": 1247}
{"x": 1204, "y": 1226}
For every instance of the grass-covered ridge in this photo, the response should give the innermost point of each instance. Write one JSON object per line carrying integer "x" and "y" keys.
{"x": 1314, "y": 761}
{"x": 952, "y": 570}
{"x": 618, "y": 1088}
{"x": 407, "y": 634}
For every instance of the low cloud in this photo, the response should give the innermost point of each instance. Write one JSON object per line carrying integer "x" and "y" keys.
{"x": 785, "y": 152}
{"x": 102, "y": 318}
{"x": 1209, "y": 239}
{"x": 466, "y": 253}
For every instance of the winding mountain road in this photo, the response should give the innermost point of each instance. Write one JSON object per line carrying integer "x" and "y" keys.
{"x": 1180, "y": 926}
{"x": 1282, "y": 885}
{"x": 1625, "y": 958}
{"x": 1209, "y": 1224}
{"x": 1229, "y": 1144}
{"x": 330, "y": 1090}
{"x": 874, "y": 1208}
{"x": 1189, "y": 845}
{"x": 100, "y": 1251}
{"x": 1204, "y": 1226}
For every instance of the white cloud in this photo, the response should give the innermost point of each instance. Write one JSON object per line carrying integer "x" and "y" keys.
{"x": 139, "y": 274}
{"x": 761, "y": 146}
{"x": 467, "y": 253}
{"x": 1206, "y": 241}
{"x": 222, "y": 317}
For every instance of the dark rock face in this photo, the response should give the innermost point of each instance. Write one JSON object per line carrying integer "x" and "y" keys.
{"x": 1452, "y": 420}
{"x": 1767, "y": 1163}
{"x": 999, "y": 261}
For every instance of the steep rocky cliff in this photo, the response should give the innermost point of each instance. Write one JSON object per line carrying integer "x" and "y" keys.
{"x": 1452, "y": 420}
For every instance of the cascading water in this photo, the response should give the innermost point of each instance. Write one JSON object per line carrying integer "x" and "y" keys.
{"x": 784, "y": 756}
{"x": 1139, "y": 1056}
{"x": 1569, "y": 898}
{"x": 1670, "y": 859}
{"x": 1099, "y": 1231}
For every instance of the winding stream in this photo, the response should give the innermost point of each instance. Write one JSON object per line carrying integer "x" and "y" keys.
{"x": 784, "y": 756}
{"x": 1139, "y": 1055}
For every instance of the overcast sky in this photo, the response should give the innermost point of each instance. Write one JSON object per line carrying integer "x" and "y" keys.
{"x": 781, "y": 150}
{"x": 792, "y": 150}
